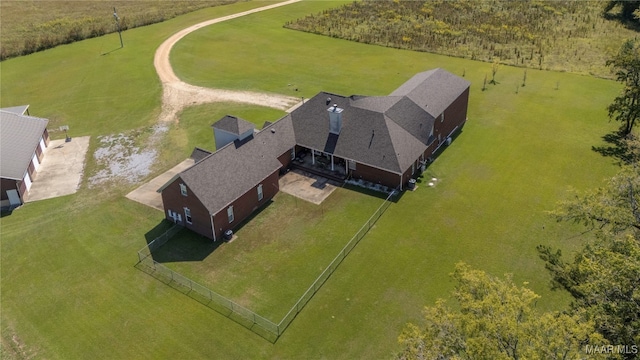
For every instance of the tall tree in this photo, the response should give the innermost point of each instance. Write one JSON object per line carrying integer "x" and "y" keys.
{"x": 614, "y": 207}
{"x": 496, "y": 320}
{"x": 627, "y": 8}
{"x": 604, "y": 276}
{"x": 626, "y": 106}
{"x": 604, "y": 280}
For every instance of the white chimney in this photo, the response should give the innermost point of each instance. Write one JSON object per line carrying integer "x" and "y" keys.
{"x": 335, "y": 119}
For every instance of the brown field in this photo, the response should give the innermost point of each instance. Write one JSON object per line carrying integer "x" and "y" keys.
{"x": 30, "y": 26}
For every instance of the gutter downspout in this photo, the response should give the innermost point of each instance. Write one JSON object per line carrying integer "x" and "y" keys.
{"x": 213, "y": 229}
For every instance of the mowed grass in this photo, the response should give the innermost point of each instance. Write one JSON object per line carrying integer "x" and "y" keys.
{"x": 69, "y": 286}
{"x": 278, "y": 253}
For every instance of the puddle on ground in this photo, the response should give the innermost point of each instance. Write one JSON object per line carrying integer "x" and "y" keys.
{"x": 120, "y": 157}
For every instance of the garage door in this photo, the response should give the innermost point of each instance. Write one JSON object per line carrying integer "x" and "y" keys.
{"x": 27, "y": 181}
{"x": 36, "y": 163}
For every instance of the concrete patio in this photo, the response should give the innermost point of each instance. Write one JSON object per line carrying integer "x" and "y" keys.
{"x": 61, "y": 170}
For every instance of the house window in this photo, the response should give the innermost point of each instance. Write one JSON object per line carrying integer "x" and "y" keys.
{"x": 187, "y": 215}
{"x": 230, "y": 214}
{"x": 293, "y": 153}
{"x": 260, "y": 194}
{"x": 442, "y": 117}
{"x": 352, "y": 165}
{"x": 183, "y": 189}
{"x": 177, "y": 218}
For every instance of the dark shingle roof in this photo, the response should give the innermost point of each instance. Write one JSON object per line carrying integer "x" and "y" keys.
{"x": 434, "y": 90}
{"x": 387, "y": 132}
{"x": 222, "y": 177}
{"x": 19, "y": 137}
{"x": 412, "y": 118}
{"x": 233, "y": 125}
{"x": 367, "y": 136}
{"x": 198, "y": 154}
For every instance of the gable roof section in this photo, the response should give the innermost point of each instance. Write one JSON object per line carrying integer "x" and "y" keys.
{"x": 198, "y": 154}
{"x": 368, "y": 136}
{"x": 412, "y": 118}
{"x": 234, "y": 125}
{"x": 222, "y": 177}
{"x": 19, "y": 110}
{"x": 433, "y": 90}
{"x": 19, "y": 137}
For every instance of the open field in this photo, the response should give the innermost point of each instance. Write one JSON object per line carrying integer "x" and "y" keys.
{"x": 552, "y": 35}
{"x": 28, "y": 26}
{"x": 69, "y": 287}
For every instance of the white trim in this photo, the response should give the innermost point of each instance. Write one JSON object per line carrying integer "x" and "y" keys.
{"x": 231, "y": 217}
{"x": 187, "y": 215}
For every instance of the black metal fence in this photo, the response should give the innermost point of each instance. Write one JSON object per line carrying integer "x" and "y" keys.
{"x": 251, "y": 320}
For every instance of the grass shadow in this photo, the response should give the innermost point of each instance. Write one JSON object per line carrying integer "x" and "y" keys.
{"x": 253, "y": 215}
{"x": 5, "y": 212}
{"x": 158, "y": 230}
{"x": 109, "y": 52}
{"x": 186, "y": 245}
{"x": 616, "y": 148}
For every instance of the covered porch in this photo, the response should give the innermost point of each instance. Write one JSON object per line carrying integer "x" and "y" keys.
{"x": 320, "y": 163}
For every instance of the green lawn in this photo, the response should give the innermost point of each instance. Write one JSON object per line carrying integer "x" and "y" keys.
{"x": 278, "y": 253}
{"x": 69, "y": 286}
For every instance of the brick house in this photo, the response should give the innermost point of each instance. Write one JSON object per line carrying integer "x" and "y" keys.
{"x": 23, "y": 139}
{"x": 380, "y": 139}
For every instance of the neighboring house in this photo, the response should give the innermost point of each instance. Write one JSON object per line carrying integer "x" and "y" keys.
{"x": 382, "y": 139}
{"x": 23, "y": 139}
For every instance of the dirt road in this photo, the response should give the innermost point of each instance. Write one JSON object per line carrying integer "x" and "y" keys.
{"x": 178, "y": 94}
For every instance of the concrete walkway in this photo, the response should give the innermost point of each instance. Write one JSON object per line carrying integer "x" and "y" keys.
{"x": 147, "y": 194}
{"x": 61, "y": 170}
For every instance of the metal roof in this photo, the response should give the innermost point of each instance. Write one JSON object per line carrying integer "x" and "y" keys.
{"x": 19, "y": 137}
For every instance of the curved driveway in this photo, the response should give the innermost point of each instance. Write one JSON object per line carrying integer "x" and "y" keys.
{"x": 178, "y": 94}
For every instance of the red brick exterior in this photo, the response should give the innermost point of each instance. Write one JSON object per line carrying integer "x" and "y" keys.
{"x": 454, "y": 116}
{"x": 45, "y": 135}
{"x": 245, "y": 205}
{"x": 376, "y": 176}
{"x": 173, "y": 200}
{"x": 39, "y": 153}
{"x": 8, "y": 184}
{"x": 201, "y": 220}
{"x": 285, "y": 159}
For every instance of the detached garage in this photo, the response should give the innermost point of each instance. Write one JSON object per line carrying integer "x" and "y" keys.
{"x": 23, "y": 139}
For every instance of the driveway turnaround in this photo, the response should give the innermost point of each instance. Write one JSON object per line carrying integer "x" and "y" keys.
{"x": 148, "y": 194}
{"x": 61, "y": 169}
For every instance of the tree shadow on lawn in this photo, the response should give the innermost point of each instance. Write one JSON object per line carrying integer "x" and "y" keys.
{"x": 187, "y": 245}
{"x": 616, "y": 148}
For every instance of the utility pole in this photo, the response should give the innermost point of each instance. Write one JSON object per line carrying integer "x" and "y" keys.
{"x": 115, "y": 16}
